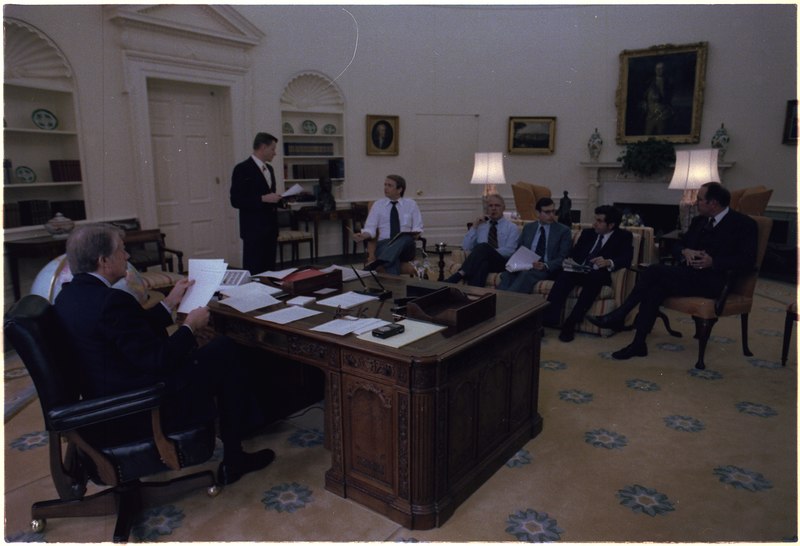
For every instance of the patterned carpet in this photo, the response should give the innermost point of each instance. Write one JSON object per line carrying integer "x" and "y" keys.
{"x": 648, "y": 449}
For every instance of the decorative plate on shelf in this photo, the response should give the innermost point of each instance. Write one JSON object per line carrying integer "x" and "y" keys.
{"x": 329, "y": 129}
{"x": 309, "y": 127}
{"x": 287, "y": 128}
{"x": 25, "y": 174}
{"x": 44, "y": 119}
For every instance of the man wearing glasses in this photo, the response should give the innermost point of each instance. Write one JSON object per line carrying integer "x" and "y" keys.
{"x": 550, "y": 241}
{"x": 719, "y": 241}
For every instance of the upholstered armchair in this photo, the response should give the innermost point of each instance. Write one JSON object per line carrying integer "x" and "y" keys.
{"x": 752, "y": 201}
{"x": 525, "y": 197}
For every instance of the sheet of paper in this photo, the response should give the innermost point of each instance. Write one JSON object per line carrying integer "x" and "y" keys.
{"x": 301, "y": 300}
{"x": 347, "y": 272}
{"x": 207, "y": 276}
{"x": 277, "y": 274}
{"x": 348, "y": 325}
{"x": 249, "y": 298}
{"x": 347, "y": 300}
{"x": 325, "y": 291}
{"x": 288, "y": 314}
{"x": 415, "y": 330}
{"x": 522, "y": 260}
{"x": 294, "y": 190}
{"x": 252, "y": 289}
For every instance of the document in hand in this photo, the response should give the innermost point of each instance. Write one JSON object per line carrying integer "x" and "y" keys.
{"x": 207, "y": 276}
{"x": 294, "y": 190}
{"x": 574, "y": 267}
{"x": 522, "y": 260}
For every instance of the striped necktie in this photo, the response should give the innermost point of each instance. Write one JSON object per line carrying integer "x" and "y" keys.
{"x": 493, "y": 235}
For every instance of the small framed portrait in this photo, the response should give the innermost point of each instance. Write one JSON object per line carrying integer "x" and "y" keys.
{"x": 531, "y": 135}
{"x": 383, "y": 135}
{"x": 660, "y": 93}
{"x": 790, "y": 126}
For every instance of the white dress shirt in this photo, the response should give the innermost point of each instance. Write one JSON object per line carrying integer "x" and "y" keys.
{"x": 378, "y": 219}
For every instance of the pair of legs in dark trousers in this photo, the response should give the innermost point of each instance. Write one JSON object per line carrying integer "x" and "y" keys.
{"x": 654, "y": 285}
{"x": 390, "y": 254}
{"x": 591, "y": 284}
{"x": 258, "y": 252}
{"x": 482, "y": 260}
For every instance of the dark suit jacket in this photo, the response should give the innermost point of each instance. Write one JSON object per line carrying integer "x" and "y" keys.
{"x": 558, "y": 243}
{"x": 118, "y": 344}
{"x": 256, "y": 218}
{"x": 732, "y": 244}
{"x": 618, "y": 248}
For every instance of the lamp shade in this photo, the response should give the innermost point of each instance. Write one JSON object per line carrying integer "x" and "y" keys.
{"x": 488, "y": 169}
{"x": 693, "y": 168}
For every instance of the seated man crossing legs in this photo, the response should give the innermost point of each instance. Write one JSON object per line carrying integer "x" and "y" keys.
{"x": 606, "y": 248}
{"x": 490, "y": 241}
{"x": 550, "y": 240}
{"x": 719, "y": 241}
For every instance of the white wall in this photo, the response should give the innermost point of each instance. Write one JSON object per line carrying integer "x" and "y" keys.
{"x": 427, "y": 63}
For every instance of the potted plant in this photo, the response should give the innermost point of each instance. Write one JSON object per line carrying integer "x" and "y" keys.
{"x": 647, "y": 157}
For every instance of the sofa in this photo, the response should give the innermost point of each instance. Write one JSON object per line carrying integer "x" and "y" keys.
{"x": 610, "y": 297}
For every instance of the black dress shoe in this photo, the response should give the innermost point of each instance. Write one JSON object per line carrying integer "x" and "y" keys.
{"x": 630, "y": 351}
{"x": 230, "y": 472}
{"x": 608, "y": 322}
{"x": 373, "y": 265}
{"x": 454, "y": 278}
{"x": 567, "y": 334}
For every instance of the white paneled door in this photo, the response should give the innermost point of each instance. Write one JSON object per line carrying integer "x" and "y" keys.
{"x": 191, "y": 189}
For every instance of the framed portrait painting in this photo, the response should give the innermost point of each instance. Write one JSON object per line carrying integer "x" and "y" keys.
{"x": 531, "y": 135}
{"x": 660, "y": 93}
{"x": 383, "y": 135}
{"x": 790, "y": 125}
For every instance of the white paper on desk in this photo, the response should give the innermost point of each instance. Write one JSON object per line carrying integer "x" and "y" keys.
{"x": 294, "y": 190}
{"x": 347, "y": 272}
{"x": 347, "y": 325}
{"x": 288, "y": 314}
{"x": 347, "y": 300}
{"x": 522, "y": 260}
{"x": 301, "y": 300}
{"x": 247, "y": 297}
{"x": 207, "y": 276}
{"x": 277, "y": 274}
{"x": 415, "y": 330}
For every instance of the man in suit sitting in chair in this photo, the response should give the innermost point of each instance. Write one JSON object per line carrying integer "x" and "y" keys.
{"x": 606, "y": 248}
{"x": 719, "y": 241}
{"x": 550, "y": 241}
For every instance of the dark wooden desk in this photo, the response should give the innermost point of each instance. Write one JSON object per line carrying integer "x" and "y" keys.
{"x": 35, "y": 247}
{"x": 414, "y": 431}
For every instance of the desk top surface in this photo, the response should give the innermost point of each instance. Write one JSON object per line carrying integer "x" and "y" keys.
{"x": 511, "y": 308}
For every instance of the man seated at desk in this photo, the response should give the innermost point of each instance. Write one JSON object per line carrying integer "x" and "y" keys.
{"x": 605, "y": 248}
{"x": 396, "y": 222}
{"x": 490, "y": 241}
{"x": 118, "y": 346}
{"x": 550, "y": 241}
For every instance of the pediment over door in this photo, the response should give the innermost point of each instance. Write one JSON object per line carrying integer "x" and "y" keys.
{"x": 217, "y": 33}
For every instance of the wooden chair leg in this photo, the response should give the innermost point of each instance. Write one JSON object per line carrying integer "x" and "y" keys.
{"x": 745, "y": 348}
{"x": 665, "y": 319}
{"x": 702, "y": 333}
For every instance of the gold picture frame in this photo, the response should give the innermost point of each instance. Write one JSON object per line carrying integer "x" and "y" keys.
{"x": 529, "y": 135}
{"x": 383, "y": 135}
{"x": 660, "y": 93}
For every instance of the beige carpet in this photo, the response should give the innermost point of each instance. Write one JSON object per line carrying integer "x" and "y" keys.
{"x": 643, "y": 450}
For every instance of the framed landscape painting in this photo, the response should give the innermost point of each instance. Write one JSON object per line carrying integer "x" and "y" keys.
{"x": 660, "y": 93}
{"x": 531, "y": 135}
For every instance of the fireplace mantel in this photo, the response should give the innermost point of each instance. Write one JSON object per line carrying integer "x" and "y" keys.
{"x": 605, "y": 184}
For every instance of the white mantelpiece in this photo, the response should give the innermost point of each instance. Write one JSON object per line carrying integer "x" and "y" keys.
{"x": 605, "y": 184}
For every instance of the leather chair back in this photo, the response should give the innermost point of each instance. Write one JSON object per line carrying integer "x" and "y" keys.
{"x": 34, "y": 330}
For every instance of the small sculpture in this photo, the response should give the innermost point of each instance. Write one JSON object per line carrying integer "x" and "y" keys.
{"x": 564, "y": 209}
{"x": 325, "y": 199}
{"x": 595, "y": 145}
{"x": 720, "y": 141}
{"x": 59, "y": 226}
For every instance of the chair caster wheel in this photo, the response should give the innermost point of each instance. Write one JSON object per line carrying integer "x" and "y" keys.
{"x": 38, "y": 525}
{"x": 213, "y": 490}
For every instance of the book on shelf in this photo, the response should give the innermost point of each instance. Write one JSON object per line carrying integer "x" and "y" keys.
{"x": 307, "y": 148}
{"x": 34, "y": 211}
{"x": 65, "y": 170}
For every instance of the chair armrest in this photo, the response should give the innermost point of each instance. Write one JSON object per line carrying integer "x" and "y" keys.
{"x": 98, "y": 410}
{"x": 179, "y": 255}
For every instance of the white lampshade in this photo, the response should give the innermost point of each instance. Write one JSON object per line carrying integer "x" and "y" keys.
{"x": 693, "y": 168}
{"x": 488, "y": 171}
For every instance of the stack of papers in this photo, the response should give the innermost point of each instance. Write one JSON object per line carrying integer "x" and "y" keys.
{"x": 207, "y": 276}
{"x": 348, "y": 325}
{"x": 249, "y": 296}
{"x": 347, "y": 300}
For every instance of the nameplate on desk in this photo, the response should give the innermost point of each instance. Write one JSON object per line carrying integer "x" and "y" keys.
{"x": 307, "y": 281}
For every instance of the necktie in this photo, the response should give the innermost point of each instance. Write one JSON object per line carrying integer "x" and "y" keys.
{"x": 711, "y": 222}
{"x": 596, "y": 249}
{"x": 542, "y": 244}
{"x": 394, "y": 220}
{"x": 493, "y": 235}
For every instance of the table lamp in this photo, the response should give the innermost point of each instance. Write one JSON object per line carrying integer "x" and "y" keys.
{"x": 693, "y": 168}
{"x": 488, "y": 171}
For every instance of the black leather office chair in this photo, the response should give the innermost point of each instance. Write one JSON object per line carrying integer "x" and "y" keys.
{"x": 33, "y": 328}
